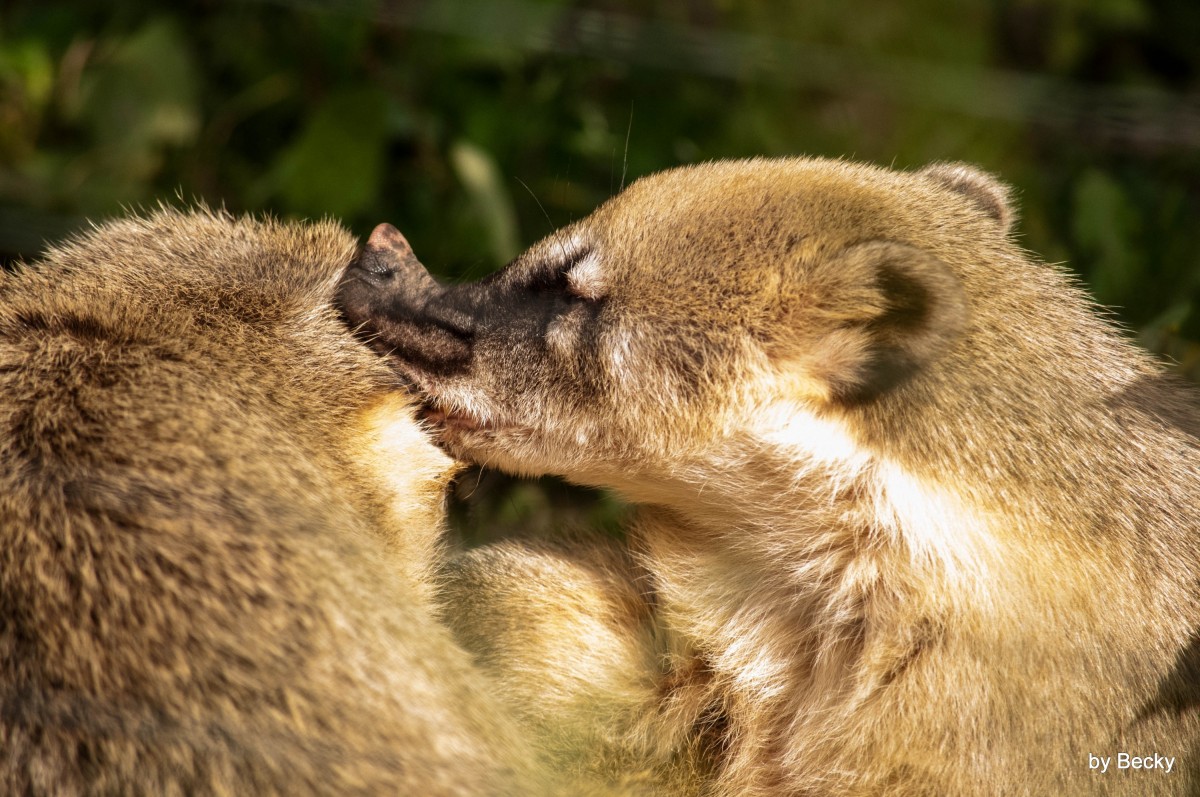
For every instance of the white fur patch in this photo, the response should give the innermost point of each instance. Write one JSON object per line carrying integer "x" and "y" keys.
{"x": 934, "y": 524}
{"x": 586, "y": 278}
{"x": 789, "y": 428}
{"x": 929, "y": 519}
{"x": 619, "y": 346}
{"x": 411, "y": 474}
{"x": 466, "y": 400}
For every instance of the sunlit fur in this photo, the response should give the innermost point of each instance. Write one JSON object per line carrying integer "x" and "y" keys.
{"x": 925, "y": 521}
{"x": 218, "y": 516}
{"x": 564, "y": 630}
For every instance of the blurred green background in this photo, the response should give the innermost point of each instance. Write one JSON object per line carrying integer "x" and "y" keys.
{"x": 478, "y": 127}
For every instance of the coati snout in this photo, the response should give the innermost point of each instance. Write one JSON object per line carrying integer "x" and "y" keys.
{"x": 387, "y": 263}
{"x": 397, "y": 306}
{"x": 439, "y": 336}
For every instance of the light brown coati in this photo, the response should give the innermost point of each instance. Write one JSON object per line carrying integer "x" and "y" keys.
{"x": 925, "y": 519}
{"x": 218, "y": 523}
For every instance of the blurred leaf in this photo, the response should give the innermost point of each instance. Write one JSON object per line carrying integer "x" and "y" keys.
{"x": 1120, "y": 14}
{"x": 142, "y": 95}
{"x": 1105, "y": 223}
{"x": 26, "y": 81}
{"x": 490, "y": 199}
{"x": 335, "y": 166}
{"x": 26, "y": 64}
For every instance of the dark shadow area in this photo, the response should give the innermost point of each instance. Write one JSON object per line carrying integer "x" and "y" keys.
{"x": 486, "y": 506}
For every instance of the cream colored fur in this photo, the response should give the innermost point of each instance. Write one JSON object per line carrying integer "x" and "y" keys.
{"x": 924, "y": 520}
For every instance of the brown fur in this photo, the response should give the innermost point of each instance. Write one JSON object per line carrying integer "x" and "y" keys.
{"x": 927, "y": 520}
{"x": 218, "y": 519}
{"x": 564, "y": 630}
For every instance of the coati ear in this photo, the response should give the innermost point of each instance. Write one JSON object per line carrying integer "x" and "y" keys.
{"x": 889, "y": 309}
{"x": 989, "y": 194}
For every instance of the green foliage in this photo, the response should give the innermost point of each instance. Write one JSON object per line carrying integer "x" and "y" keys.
{"x": 489, "y": 197}
{"x": 337, "y": 162}
{"x": 1105, "y": 225}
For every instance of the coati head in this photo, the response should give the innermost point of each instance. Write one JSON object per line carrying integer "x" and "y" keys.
{"x": 699, "y": 304}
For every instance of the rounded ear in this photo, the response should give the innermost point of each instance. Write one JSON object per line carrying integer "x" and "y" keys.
{"x": 987, "y": 193}
{"x": 891, "y": 309}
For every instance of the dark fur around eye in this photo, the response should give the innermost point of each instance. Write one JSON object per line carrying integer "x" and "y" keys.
{"x": 550, "y": 280}
{"x": 553, "y": 277}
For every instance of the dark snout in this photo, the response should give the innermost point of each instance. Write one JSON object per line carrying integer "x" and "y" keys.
{"x": 392, "y": 302}
{"x": 385, "y": 271}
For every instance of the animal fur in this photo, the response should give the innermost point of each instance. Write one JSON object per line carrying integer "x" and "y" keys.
{"x": 218, "y": 525}
{"x": 925, "y": 518}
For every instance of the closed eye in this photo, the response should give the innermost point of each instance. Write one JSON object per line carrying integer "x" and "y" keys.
{"x": 550, "y": 280}
{"x": 556, "y": 279}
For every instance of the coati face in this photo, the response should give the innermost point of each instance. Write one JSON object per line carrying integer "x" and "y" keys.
{"x": 700, "y": 304}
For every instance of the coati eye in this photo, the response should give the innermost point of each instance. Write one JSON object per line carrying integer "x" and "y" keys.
{"x": 550, "y": 280}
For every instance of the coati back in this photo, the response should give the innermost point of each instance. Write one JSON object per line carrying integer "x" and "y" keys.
{"x": 926, "y": 518}
{"x": 217, "y": 521}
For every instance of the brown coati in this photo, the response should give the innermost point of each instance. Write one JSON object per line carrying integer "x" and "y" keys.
{"x": 920, "y": 519}
{"x": 219, "y": 520}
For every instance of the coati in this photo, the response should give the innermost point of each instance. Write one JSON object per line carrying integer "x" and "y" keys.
{"x": 925, "y": 521}
{"x": 218, "y": 525}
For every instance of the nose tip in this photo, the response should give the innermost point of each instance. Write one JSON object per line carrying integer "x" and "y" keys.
{"x": 389, "y": 298}
{"x": 388, "y": 257}
{"x": 387, "y": 269}
{"x": 385, "y": 236}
